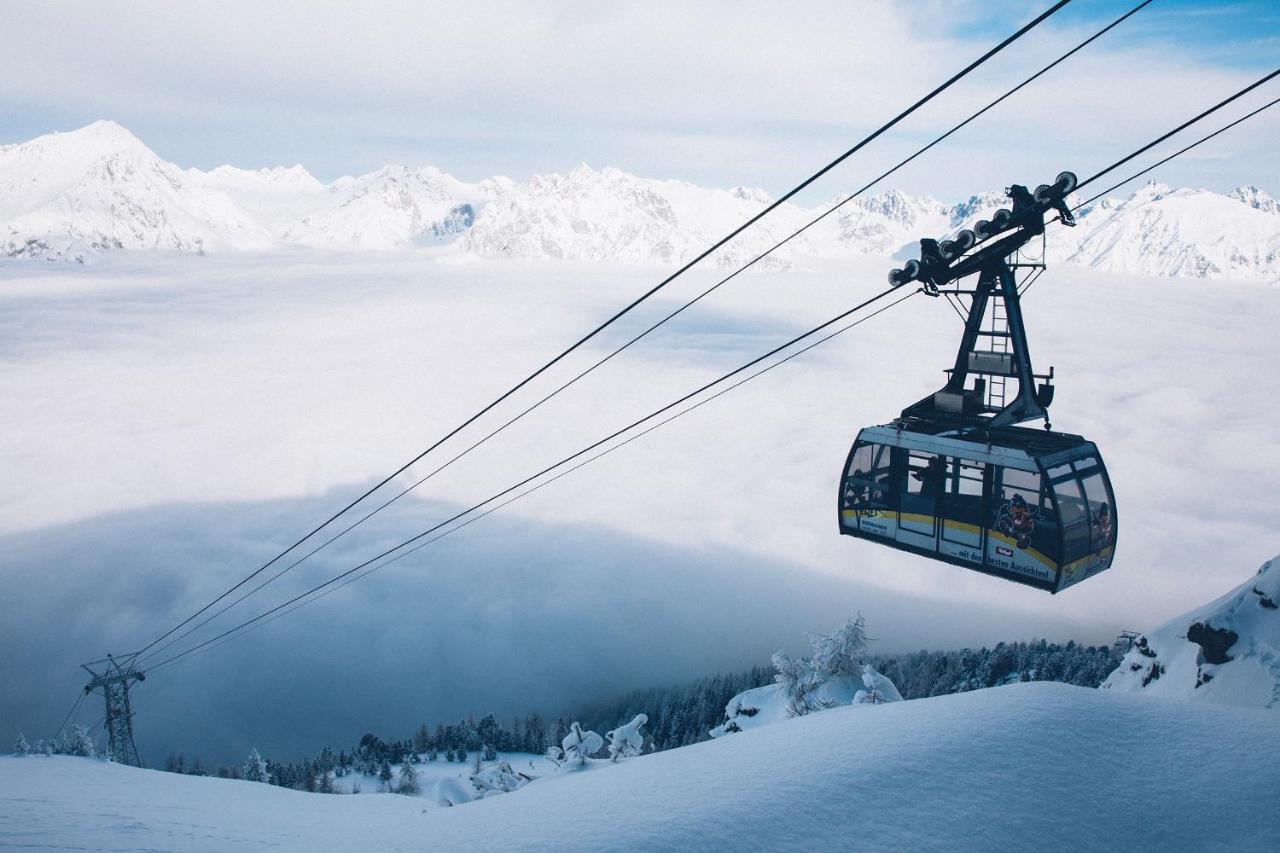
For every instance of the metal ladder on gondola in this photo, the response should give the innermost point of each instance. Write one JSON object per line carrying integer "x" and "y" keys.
{"x": 998, "y": 333}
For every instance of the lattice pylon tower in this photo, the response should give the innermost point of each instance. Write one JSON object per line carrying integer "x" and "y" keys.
{"x": 113, "y": 677}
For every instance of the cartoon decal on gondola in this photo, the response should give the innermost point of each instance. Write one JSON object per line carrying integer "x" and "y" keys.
{"x": 1017, "y": 520}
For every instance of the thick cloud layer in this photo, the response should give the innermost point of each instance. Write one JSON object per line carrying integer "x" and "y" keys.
{"x": 509, "y": 615}
{"x": 172, "y": 422}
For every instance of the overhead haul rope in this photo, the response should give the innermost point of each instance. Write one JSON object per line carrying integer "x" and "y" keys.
{"x": 350, "y": 580}
{"x": 1179, "y": 128}
{"x": 1180, "y": 151}
{"x": 74, "y": 707}
{"x": 391, "y": 551}
{"x": 568, "y": 459}
{"x": 638, "y": 337}
{"x": 633, "y": 304}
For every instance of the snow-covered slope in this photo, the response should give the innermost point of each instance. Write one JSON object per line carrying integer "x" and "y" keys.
{"x": 1030, "y": 766}
{"x": 1227, "y": 651}
{"x": 68, "y": 195}
{"x": 1183, "y": 233}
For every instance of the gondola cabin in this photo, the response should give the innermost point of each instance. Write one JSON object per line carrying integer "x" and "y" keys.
{"x": 954, "y": 478}
{"x": 1030, "y": 506}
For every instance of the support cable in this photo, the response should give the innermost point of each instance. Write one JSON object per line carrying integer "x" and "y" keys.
{"x": 1126, "y": 159}
{"x": 305, "y": 601}
{"x": 651, "y": 328}
{"x": 1180, "y": 151}
{"x": 634, "y": 303}
{"x": 815, "y": 330}
{"x": 1246, "y": 90}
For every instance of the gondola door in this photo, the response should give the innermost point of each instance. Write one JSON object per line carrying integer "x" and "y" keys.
{"x": 921, "y": 480}
{"x": 964, "y": 510}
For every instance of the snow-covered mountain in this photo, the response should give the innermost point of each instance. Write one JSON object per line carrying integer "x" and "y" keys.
{"x": 1227, "y": 651}
{"x": 66, "y": 195}
{"x": 72, "y": 195}
{"x": 609, "y": 215}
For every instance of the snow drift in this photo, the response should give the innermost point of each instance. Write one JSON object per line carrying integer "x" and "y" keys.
{"x": 73, "y": 195}
{"x": 1227, "y": 651}
{"x": 1030, "y": 766}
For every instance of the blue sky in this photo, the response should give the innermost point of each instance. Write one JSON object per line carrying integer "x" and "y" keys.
{"x": 720, "y": 94}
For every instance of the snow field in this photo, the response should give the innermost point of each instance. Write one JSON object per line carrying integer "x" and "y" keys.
{"x": 1029, "y": 766}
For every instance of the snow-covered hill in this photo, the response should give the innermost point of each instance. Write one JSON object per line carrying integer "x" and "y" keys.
{"x": 1030, "y": 766}
{"x": 1227, "y": 651}
{"x": 72, "y": 195}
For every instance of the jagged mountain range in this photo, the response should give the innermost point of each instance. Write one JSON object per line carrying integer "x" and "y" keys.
{"x": 74, "y": 195}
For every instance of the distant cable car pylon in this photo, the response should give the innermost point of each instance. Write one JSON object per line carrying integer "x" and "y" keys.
{"x": 113, "y": 678}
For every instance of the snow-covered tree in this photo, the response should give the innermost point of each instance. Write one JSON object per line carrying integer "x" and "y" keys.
{"x": 626, "y": 741}
{"x": 384, "y": 776}
{"x": 21, "y": 747}
{"x": 255, "y": 768}
{"x": 408, "y": 777}
{"x": 490, "y": 754}
{"x": 76, "y": 741}
{"x": 842, "y": 652}
{"x": 578, "y": 745}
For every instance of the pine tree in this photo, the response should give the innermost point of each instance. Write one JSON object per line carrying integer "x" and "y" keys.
{"x": 490, "y": 754}
{"x": 255, "y": 768}
{"x": 422, "y": 739}
{"x": 408, "y": 778}
{"x": 21, "y": 747}
{"x": 384, "y": 776}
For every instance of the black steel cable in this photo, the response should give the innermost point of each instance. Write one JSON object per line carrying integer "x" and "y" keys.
{"x": 67, "y": 718}
{"x": 539, "y": 474}
{"x": 303, "y": 603}
{"x": 1129, "y": 157}
{"x": 626, "y": 309}
{"x": 1180, "y": 151}
{"x": 635, "y": 339}
{"x": 1246, "y": 90}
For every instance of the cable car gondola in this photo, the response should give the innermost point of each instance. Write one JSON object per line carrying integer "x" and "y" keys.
{"x": 954, "y": 478}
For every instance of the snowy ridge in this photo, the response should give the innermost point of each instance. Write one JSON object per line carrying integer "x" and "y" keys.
{"x": 1227, "y": 651}
{"x": 72, "y": 195}
{"x": 1025, "y": 767}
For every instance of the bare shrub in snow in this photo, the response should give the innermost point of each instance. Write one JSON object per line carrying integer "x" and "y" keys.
{"x": 499, "y": 779}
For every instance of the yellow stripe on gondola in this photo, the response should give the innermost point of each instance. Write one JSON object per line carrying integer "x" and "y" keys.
{"x": 851, "y": 515}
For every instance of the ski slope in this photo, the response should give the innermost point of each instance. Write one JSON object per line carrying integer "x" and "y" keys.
{"x": 1029, "y": 766}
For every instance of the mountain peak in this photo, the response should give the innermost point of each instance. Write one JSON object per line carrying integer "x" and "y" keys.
{"x": 103, "y": 136}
